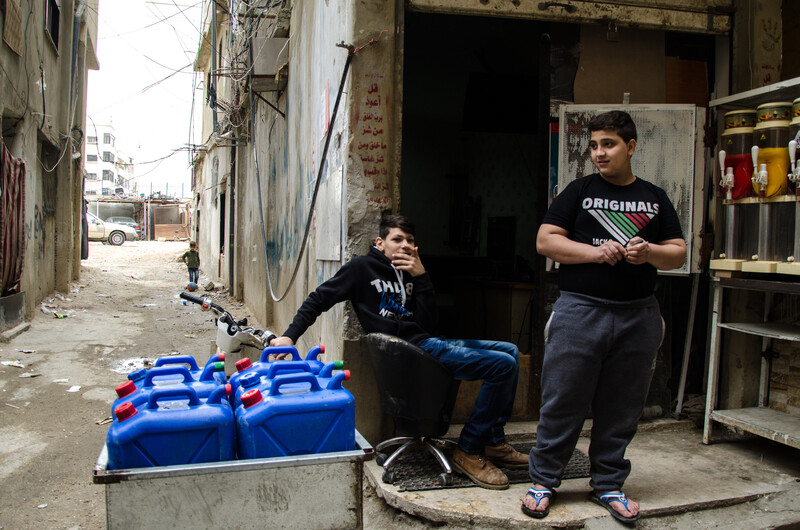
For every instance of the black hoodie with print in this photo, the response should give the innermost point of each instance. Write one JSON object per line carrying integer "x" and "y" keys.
{"x": 373, "y": 285}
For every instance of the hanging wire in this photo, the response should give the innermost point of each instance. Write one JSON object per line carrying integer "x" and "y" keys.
{"x": 296, "y": 267}
{"x": 351, "y": 51}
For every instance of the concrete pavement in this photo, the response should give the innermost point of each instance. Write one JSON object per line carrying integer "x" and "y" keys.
{"x": 678, "y": 481}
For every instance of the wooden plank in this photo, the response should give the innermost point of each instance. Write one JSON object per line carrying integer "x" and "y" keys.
{"x": 724, "y": 264}
{"x": 792, "y": 268}
{"x": 171, "y": 232}
{"x": 674, "y": 15}
{"x": 767, "y": 267}
{"x": 765, "y": 422}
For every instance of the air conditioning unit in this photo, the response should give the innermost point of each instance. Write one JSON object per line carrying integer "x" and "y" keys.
{"x": 270, "y": 58}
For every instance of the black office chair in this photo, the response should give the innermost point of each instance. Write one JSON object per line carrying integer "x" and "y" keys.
{"x": 418, "y": 392}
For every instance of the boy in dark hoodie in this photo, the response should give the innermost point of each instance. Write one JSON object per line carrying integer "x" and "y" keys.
{"x": 392, "y": 293}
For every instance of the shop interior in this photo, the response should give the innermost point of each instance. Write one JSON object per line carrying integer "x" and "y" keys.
{"x": 480, "y": 99}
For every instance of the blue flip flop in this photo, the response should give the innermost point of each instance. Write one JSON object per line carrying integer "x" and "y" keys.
{"x": 605, "y": 500}
{"x": 538, "y": 495}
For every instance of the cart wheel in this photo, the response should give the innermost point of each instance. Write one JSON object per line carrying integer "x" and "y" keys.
{"x": 389, "y": 476}
{"x": 380, "y": 458}
{"x": 444, "y": 479}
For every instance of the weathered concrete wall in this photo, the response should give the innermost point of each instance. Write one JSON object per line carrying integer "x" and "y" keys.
{"x": 210, "y": 208}
{"x": 43, "y": 105}
{"x": 357, "y": 181}
{"x": 258, "y": 166}
{"x": 316, "y": 66}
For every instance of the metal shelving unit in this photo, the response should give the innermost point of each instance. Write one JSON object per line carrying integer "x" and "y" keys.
{"x": 760, "y": 420}
{"x": 783, "y": 91}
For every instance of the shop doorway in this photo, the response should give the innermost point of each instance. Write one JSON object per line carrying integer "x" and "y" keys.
{"x": 474, "y": 178}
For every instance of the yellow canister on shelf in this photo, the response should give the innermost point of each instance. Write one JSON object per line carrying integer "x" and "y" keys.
{"x": 772, "y": 139}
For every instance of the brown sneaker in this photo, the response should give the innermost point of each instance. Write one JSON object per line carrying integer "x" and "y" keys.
{"x": 503, "y": 455}
{"x": 479, "y": 470}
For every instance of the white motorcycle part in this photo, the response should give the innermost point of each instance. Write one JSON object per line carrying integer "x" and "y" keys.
{"x": 231, "y": 337}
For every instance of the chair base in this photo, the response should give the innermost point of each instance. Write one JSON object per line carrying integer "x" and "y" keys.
{"x": 433, "y": 445}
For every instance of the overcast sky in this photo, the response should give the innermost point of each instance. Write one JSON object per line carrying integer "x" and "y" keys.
{"x": 145, "y": 87}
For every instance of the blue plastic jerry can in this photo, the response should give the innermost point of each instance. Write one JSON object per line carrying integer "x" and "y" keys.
{"x": 214, "y": 368}
{"x": 162, "y": 376}
{"x": 326, "y": 373}
{"x": 132, "y": 384}
{"x": 258, "y": 378}
{"x": 137, "y": 375}
{"x": 150, "y": 435}
{"x": 262, "y": 377}
{"x": 312, "y": 358}
{"x": 245, "y": 365}
{"x": 289, "y": 423}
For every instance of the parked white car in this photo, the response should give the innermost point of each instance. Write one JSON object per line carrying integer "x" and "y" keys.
{"x": 113, "y": 233}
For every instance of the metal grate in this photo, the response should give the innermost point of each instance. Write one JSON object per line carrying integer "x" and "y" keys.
{"x": 418, "y": 470}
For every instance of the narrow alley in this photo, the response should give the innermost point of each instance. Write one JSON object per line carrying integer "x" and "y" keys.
{"x": 57, "y": 379}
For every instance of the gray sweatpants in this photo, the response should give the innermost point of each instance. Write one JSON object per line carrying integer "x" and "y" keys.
{"x": 599, "y": 354}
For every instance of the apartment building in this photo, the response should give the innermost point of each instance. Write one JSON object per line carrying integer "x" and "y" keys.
{"x": 109, "y": 171}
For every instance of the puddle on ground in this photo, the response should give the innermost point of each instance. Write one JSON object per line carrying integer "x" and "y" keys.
{"x": 126, "y": 366}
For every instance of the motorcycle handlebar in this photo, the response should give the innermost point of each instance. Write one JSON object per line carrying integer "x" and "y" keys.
{"x": 201, "y": 302}
{"x": 192, "y": 298}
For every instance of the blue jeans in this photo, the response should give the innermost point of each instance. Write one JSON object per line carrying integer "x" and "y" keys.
{"x": 194, "y": 275}
{"x": 497, "y": 364}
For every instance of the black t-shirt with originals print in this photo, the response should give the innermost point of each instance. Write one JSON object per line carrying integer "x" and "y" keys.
{"x": 593, "y": 211}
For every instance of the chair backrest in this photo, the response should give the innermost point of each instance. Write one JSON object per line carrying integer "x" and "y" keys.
{"x": 415, "y": 388}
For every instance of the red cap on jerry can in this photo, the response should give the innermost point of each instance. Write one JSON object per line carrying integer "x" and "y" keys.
{"x": 251, "y": 397}
{"x": 125, "y": 411}
{"x": 243, "y": 364}
{"x": 125, "y": 389}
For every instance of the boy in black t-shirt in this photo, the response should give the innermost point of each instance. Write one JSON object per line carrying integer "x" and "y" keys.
{"x": 392, "y": 293}
{"x": 610, "y": 232}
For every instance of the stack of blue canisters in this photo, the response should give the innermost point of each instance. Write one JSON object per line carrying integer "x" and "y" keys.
{"x": 173, "y": 414}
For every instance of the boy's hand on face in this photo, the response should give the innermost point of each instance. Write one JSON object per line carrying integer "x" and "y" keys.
{"x": 408, "y": 260}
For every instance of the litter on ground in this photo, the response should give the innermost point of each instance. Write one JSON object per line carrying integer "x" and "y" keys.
{"x": 15, "y": 364}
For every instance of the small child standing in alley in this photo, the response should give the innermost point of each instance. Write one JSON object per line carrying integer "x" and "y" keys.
{"x": 192, "y": 260}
